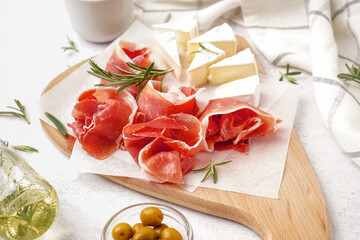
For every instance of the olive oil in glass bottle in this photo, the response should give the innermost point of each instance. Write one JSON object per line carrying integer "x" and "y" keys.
{"x": 28, "y": 203}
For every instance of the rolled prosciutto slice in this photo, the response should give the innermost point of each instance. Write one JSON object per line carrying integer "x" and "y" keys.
{"x": 229, "y": 124}
{"x": 164, "y": 146}
{"x": 100, "y": 116}
{"x": 154, "y": 103}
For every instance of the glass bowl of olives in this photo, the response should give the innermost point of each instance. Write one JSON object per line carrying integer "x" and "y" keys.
{"x": 147, "y": 221}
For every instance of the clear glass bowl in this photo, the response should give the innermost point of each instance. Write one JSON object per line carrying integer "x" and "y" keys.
{"x": 131, "y": 215}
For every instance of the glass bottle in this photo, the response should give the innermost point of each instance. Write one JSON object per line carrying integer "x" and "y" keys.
{"x": 28, "y": 203}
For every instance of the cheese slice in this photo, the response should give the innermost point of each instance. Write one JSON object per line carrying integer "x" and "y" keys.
{"x": 221, "y": 37}
{"x": 246, "y": 89}
{"x": 184, "y": 31}
{"x": 239, "y": 66}
{"x": 198, "y": 69}
{"x": 166, "y": 44}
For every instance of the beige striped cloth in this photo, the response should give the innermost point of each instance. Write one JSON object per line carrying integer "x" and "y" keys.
{"x": 318, "y": 36}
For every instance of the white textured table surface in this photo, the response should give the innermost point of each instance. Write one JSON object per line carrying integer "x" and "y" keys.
{"x": 31, "y": 36}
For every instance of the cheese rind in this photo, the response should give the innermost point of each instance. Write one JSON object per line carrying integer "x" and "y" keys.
{"x": 166, "y": 44}
{"x": 198, "y": 69}
{"x": 184, "y": 31}
{"x": 239, "y": 66}
{"x": 246, "y": 89}
{"x": 221, "y": 37}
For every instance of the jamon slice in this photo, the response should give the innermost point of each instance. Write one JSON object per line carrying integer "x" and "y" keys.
{"x": 118, "y": 58}
{"x": 100, "y": 116}
{"x": 164, "y": 146}
{"x": 127, "y": 52}
{"x": 154, "y": 103}
{"x": 137, "y": 136}
{"x": 229, "y": 123}
{"x": 139, "y": 54}
{"x": 160, "y": 160}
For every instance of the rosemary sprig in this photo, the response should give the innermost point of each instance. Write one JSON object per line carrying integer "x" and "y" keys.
{"x": 288, "y": 74}
{"x": 24, "y": 148}
{"x": 211, "y": 170}
{"x": 21, "y": 109}
{"x": 139, "y": 79}
{"x": 71, "y": 45}
{"x": 354, "y": 76}
{"x": 57, "y": 123}
{"x": 203, "y": 48}
{"x": 168, "y": 17}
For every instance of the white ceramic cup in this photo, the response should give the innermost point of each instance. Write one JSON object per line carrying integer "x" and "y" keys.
{"x": 100, "y": 20}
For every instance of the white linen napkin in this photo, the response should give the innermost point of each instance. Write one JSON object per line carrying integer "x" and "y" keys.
{"x": 318, "y": 36}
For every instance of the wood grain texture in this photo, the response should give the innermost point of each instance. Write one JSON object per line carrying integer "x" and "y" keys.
{"x": 300, "y": 213}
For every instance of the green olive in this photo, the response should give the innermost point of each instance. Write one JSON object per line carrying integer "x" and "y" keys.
{"x": 170, "y": 234}
{"x": 159, "y": 228}
{"x": 122, "y": 231}
{"x": 151, "y": 216}
{"x": 137, "y": 226}
{"x": 145, "y": 233}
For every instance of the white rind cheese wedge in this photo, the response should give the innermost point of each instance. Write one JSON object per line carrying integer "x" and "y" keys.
{"x": 166, "y": 44}
{"x": 184, "y": 31}
{"x": 246, "y": 89}
{"x": 239, "y": 66}
{"x": 221, "y": 37}
{"x": 198, "y": 69}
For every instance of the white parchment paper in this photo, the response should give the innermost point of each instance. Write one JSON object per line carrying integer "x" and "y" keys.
{"x": 258, "y": 173}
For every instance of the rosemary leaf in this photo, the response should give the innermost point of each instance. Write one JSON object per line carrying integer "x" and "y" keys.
{"x": 353, "y": 76}
{"x": 213, "y": 171}
{"x": 24, "y": 148}
{"x": 168, "y": 17}
{"x": 294, "y": 73}
{"x": 292, "y": 80}
{"x": 71, "y": 45}
{"x": 161, "y": 83}
{"x": 222, "y": 163}
{"x": 206, "y": 175}
{"x": 57, "y": 123}
{"x": 287, "y": 74}
{"x": 21, "y": 109}
{"x": 203, "y": 48}
{"x": 201, "y": 169}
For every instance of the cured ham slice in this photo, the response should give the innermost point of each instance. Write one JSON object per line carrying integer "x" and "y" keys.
{"x": 100, "y": 116}
{"x": 127, "y": 52}
{"x": 139, "y": 54}
{"x": 118, "y": 58}
{"x": 164, "y": 146}
{"x": 154, "y": 103}
{"x": 229, "y": 123}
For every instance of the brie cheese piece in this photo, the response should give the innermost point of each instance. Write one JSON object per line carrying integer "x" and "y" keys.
{"x": 198, "y": 69}
{"x": 239, "y": 66}
{"x": 166, "y": 44}
{"x": 221, "y": 37}
{"x": 246, "y": 89}
{"x": 184, "y": 31}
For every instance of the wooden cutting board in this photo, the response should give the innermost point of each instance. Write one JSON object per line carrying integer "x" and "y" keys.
{"x": 300, "y": 213}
